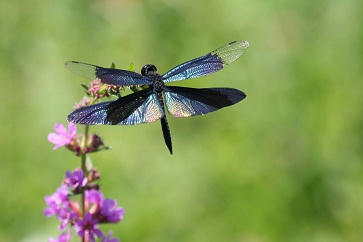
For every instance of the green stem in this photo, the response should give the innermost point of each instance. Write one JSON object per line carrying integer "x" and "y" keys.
{"x": 84, "y": 146}
{"x": 85, "y": 170}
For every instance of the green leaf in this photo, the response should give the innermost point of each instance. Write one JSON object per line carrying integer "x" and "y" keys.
{"x": 89, "y": 164}
{"x": 134, "y": 88}
{"x": 103, "y": 89}
{"x": 131, "y": 67}
{"x": 84, "y": 86}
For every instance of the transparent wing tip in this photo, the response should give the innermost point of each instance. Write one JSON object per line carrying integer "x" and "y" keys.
{"x": 232, "y": 51}
{"x": 82, "y": 69}
{"x": 67, "y": 63}
{"x": 71, "y": 65}
{"x": 238, "y": 45}
{"x": 245, "y": 44}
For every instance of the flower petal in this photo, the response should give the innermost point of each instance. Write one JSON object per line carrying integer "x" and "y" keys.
{"x": 61, "y": 136}
{"x": 98, "y": 232}
{"x": 60, "y": 129}
{"x": 72, "y": 129}
{"x": 109, "y": 203}
{"x": 94, "y": 196}
{"x": 55, "y": 138}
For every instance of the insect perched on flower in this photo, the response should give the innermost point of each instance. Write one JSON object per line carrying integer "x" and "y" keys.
{"x": 147, "y": 105}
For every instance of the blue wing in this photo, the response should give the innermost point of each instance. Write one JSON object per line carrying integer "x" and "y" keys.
{"x": 211, "y": 62}
{"x": 139, "y": 107}
{"x": 186, "y": 102}
{"x": 108, "y": 75}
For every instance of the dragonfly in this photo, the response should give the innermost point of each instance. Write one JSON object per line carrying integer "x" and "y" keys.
{"x": 148, "y": 105}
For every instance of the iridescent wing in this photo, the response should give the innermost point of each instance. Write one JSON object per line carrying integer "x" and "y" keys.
{"x": 139, "y": 107}
{"x": 211, "y": 62}
{"x": 186, "y": 102}
{"x": 108, "y": 75}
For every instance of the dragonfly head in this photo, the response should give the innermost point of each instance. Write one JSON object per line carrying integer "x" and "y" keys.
{"x": 148, "y": 70}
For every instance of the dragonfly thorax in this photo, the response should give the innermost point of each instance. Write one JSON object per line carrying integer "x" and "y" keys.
{"x": 150, "y": 70}
{"x": 158, "y": 84}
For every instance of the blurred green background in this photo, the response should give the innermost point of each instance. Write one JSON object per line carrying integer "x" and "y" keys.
{"x": 286, "y": 164}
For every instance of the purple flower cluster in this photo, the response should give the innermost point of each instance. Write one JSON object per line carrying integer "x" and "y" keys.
{"x": 97, "y": 209}
{"x": 58, "y": 204}
{"x": 98, "y": 89}
{"x": 82, "y": 216}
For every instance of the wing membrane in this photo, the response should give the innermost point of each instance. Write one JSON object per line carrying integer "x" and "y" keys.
{"x": 136, "y": 108}
{"x": 186, "y": 102}
{"x": 211, "y": 62}
{"x": 108, "y": 75}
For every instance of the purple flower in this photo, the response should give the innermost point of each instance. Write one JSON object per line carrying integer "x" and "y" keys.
{"x": 75, "y": 180}
{"x": 94, "y": 196}
{"x": 62, "y": 137}
{"x": 63, "y": 237}
{"x": 59, "y": 204}
{"x": 105, "y": 209}
{"x": 88, "y": 228}
{"x": 57, "y": 201}
{"x": 108, "y": 238}
{"x": 110, "y": 212}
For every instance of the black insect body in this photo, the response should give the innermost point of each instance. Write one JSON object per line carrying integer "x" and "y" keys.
{"x": 149, "y": 104}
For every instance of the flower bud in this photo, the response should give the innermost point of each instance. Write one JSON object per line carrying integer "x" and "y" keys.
{"x": 75, "y": 146}
{"x": 93, "y": 175}
{"x": 95, "y": 143}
